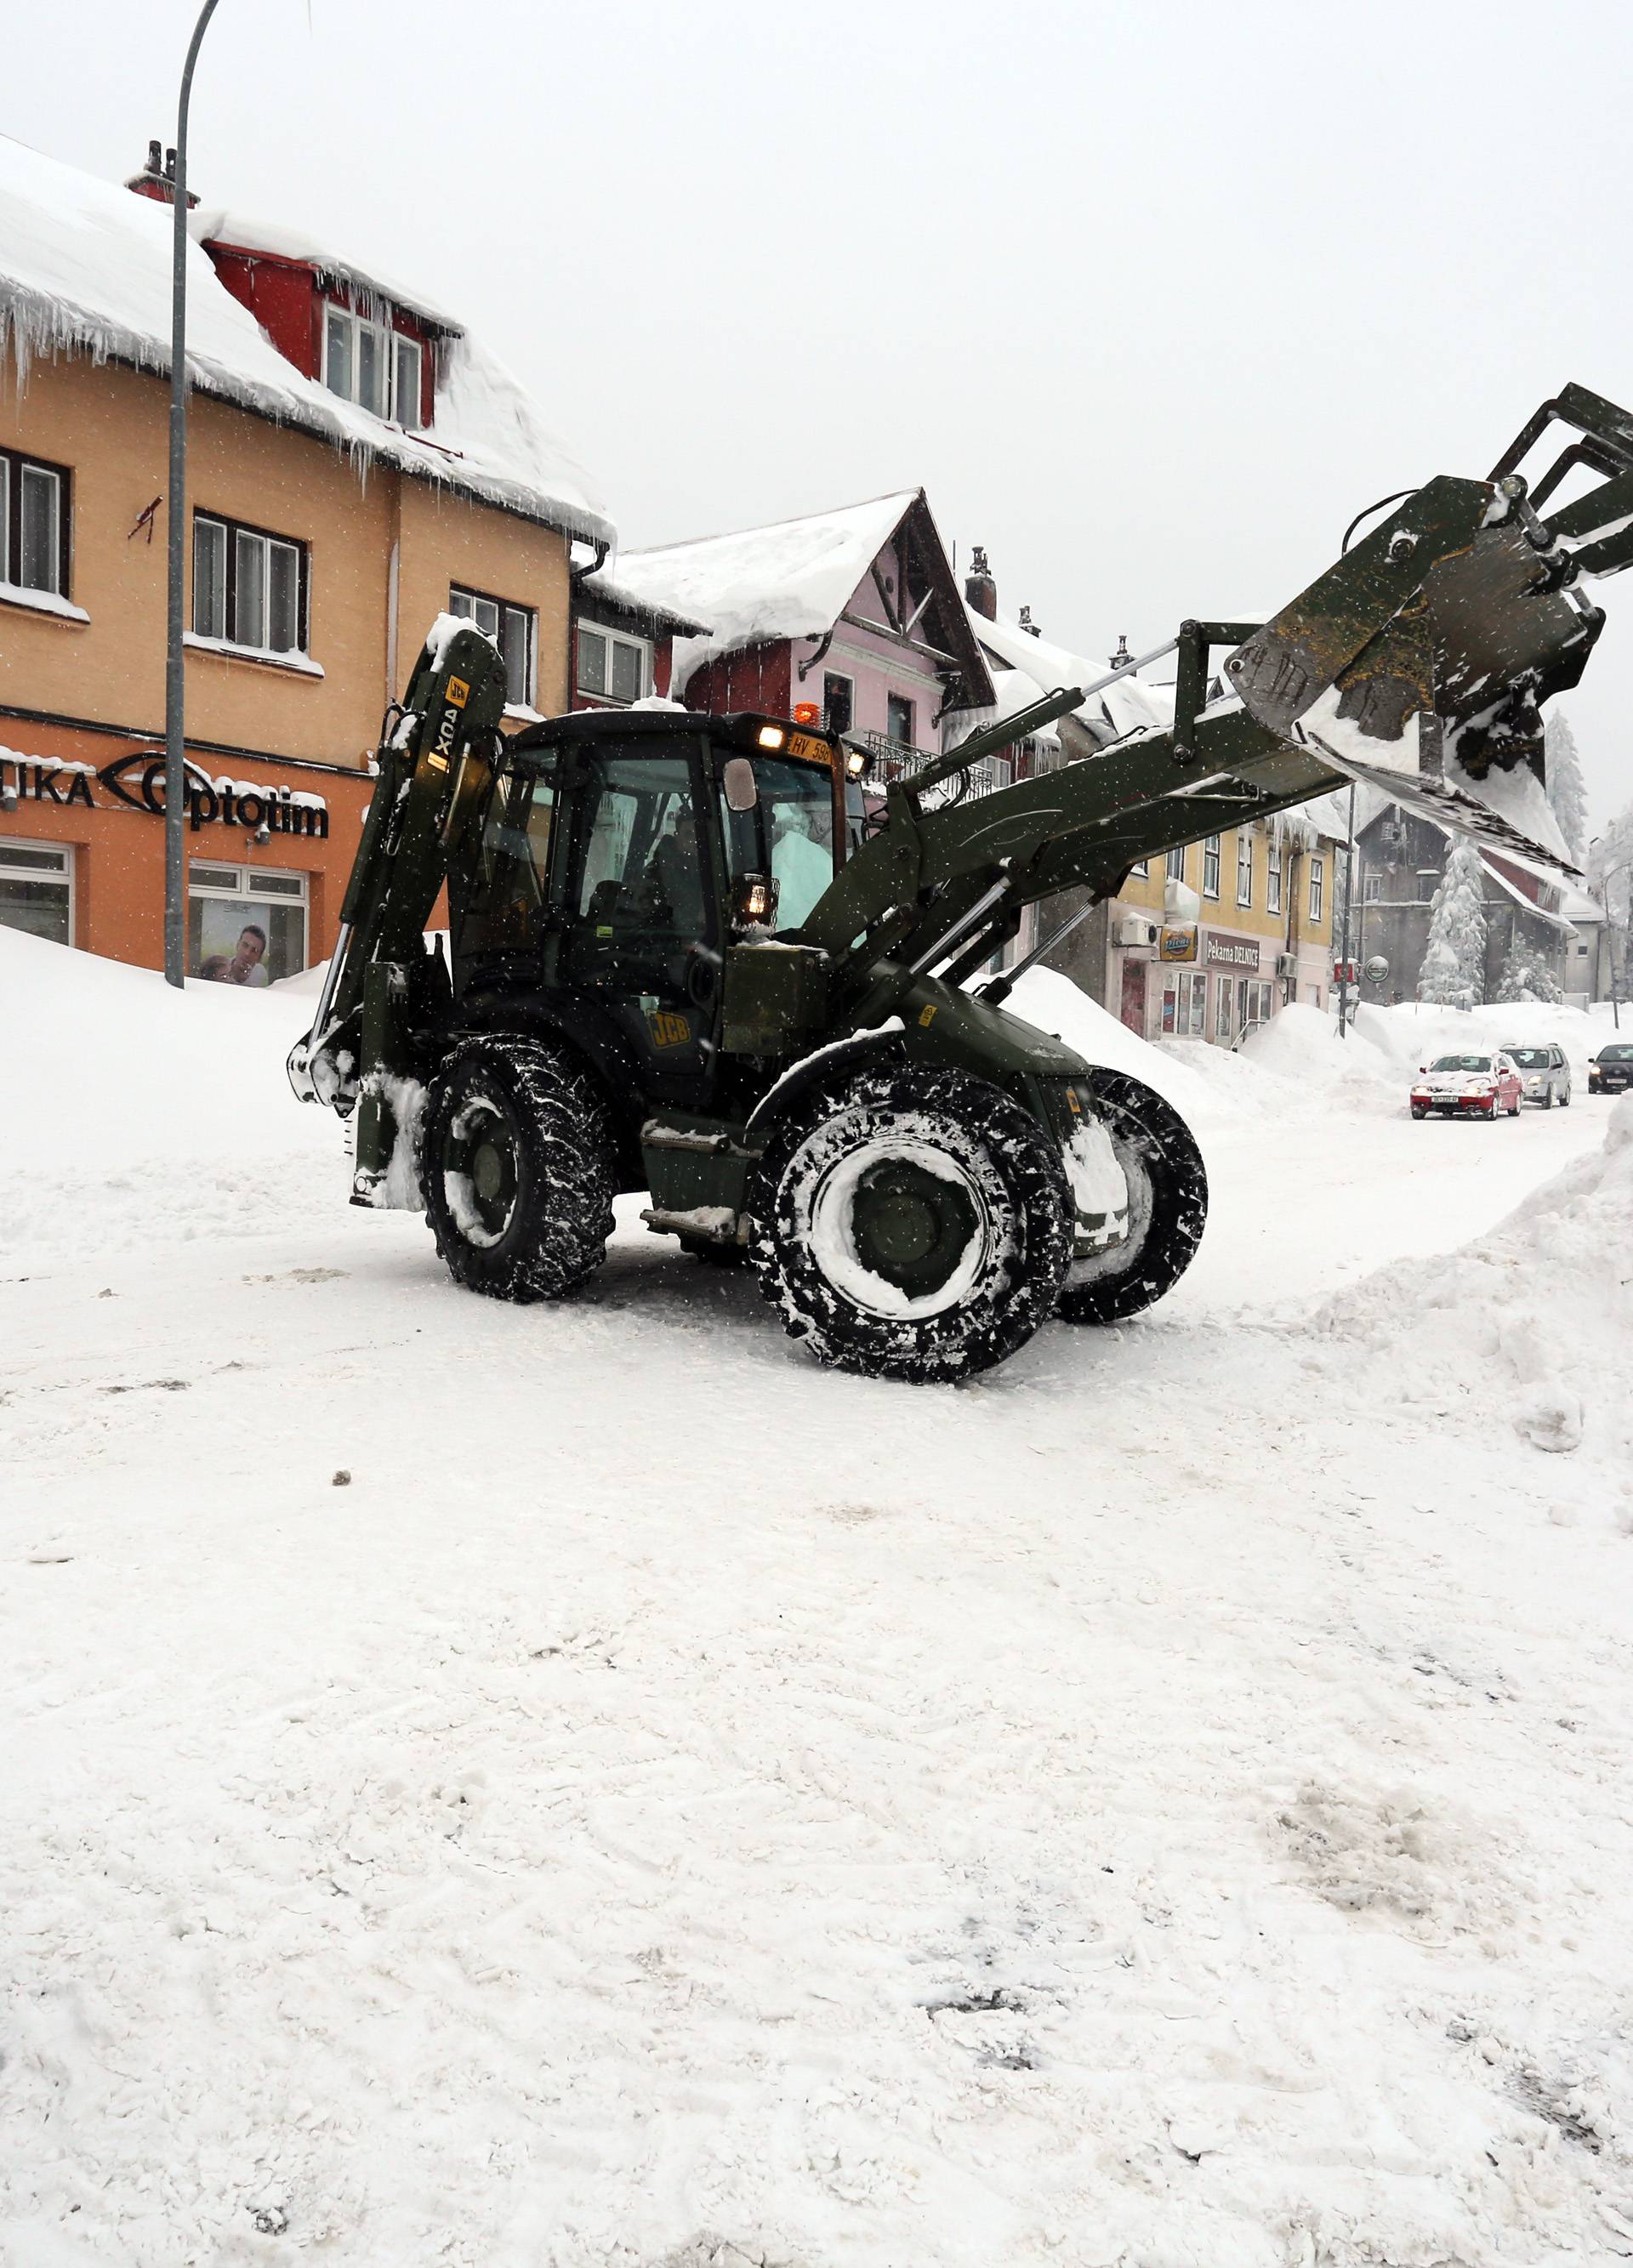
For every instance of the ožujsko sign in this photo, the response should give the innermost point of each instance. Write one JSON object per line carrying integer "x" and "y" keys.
{"x": 136, "y": 781}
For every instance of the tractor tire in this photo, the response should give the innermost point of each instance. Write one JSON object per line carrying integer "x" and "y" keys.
{"x": 1167, "y": 1204}
{"x": 912, "y": 1224}
{"x": 518, "y": 1169}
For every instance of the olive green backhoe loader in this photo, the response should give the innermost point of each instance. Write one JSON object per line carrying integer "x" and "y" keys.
{"x": 678, "y": 966}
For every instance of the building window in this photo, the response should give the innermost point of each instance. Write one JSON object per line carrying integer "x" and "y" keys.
{"x": 1175, "y": 867}
{"x": 1245, "y": 868}
{"x": 37, "y": 889}
{"x": 1372, "y": 888}
{"x": 245, "y": 917}
{"x": 1317, "y": 877}
{"x": 1210, "y": 865}
{"x": 34, "y": 523}
{"x": 898, "y": 719}
{"x": 1273, "y": 876}
{"x": 250, "y": 587}
{"x": 372, "y": 365}
{"x": 1221, "y": 1007}
{"x": 514, "y": 630}
{"x": 839, "y": 702}
{"x": 613, "y": 665}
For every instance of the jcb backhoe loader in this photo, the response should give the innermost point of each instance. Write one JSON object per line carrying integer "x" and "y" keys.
{"x": 918, "y": 1178}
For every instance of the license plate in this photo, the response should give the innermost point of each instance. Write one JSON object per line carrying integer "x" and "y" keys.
{"x": 806, "y": 744}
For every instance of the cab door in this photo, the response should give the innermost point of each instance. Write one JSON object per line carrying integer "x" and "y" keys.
{"x": 642, "y": 907}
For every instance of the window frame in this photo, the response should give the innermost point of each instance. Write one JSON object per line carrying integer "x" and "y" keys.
{"x": 13, "y": 464}
{"x": 1173, "y": 866}
{"x": 249, "y": 884}
{"x": 67, "y": 874}
{"x": 229, "y": 639}
{"x": 1245, "y": 869}
{"x": 894, "y": 702}
{"x": 611, "y": 634}
{"x": 1317, "y": 887}
{"x": 386, "y": 330}
{"x": 1211, "y": 857}
{"x": 1273, "y": 876}
{"x": 830, "y": 677}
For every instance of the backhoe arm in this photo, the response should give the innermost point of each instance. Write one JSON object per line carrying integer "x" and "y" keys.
{"x": 435, "y": 763}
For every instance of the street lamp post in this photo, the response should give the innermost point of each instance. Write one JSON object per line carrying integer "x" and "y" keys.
{"x": 175, "y": 682}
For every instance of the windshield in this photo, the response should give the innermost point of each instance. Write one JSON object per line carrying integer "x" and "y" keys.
{"x": 789, "y": 834}
{"x": 1529, "y": 1058}
{"x": 1616, "y": 1055}
{"x": 1461, "y": 1063}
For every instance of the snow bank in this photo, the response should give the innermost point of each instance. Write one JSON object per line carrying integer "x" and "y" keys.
{"x": 1531, "y": 1327}
{"x": 132, "y": 1112}
{"x": 1407, "y": 1036}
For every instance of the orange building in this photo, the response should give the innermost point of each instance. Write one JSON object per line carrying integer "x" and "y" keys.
{"x": 357, "y": 465}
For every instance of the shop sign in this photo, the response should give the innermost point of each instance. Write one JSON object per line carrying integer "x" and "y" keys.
{"x": 136, "y": 781}
{"x": 1178, "y": 945}
{"x": 1232, "y": 953}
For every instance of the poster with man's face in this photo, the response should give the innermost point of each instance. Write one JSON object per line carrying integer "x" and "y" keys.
{"x": 251, "y": 945}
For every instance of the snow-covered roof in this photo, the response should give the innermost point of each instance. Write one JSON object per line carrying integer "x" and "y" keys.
{"x": 1129, "y": 705}
{"x": 85, "y": 267}
{"x": 215, "y": 225}
{"x": 789, "y": 580}
{"x": 618, "y": 596}
{"x": 1579, "y": 906}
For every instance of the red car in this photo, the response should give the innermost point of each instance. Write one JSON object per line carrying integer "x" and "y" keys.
{"x": 1467, "y": 1087}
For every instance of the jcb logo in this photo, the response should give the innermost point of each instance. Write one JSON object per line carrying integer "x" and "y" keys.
{"x": 669, "y": 1031}
{"x": 458, "y": 692}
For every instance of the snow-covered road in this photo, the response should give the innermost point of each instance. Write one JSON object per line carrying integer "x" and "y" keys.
{"x": 1162, "y": 1803}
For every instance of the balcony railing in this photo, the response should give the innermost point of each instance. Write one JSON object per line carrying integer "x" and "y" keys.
{"x": 899, "y": 760}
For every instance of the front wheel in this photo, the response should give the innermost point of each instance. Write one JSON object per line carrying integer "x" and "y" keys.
{"x": 1419, "y": 1111}
{"x": 519, "y": 1167}
{"x": 912, "y": 1224}
{"x": 1167, "y": 1204}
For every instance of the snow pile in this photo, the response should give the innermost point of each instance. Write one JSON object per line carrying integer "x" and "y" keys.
{"x": 84, "y": 265}
{"x": 1407, "y": 1036}
{"x": 1531, "y": 1326}
{"x": 133, "y": 1113}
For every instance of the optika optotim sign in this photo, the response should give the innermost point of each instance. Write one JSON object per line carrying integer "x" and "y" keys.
{"x": 136, "y": 781}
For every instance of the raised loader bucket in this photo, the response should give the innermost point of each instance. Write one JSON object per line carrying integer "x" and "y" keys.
{"x": 1440, "y": 634}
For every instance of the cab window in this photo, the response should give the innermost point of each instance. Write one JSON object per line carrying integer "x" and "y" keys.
{"x": 639, "y": 860}
{"x": 789, "y": 834}
{"x": 506, "y": 884}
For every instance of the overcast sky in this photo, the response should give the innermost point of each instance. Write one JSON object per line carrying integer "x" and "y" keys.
{"x": 1151, "y": 300}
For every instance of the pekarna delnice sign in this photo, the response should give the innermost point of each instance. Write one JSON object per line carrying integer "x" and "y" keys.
{"x": 136, "y": 781}
{"x": 1231, "y": 952}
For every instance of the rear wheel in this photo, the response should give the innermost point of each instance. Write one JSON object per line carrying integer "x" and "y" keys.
{"x": 518, "y": 1169}
{"x": 910, "y": 1224}
{"x": 1167, "y": 1204}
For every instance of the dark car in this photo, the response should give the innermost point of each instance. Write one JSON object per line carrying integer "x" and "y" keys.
{"x": 1611, "y": 1070}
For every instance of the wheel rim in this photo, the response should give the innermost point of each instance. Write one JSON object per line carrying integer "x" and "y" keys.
{"x": 481, "y": 1170}
{"x": 901, "y": 1228}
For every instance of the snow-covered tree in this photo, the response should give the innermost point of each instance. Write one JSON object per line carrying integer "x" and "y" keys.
{"x": 1610, "y": 865}
{"x": 1567, "y": 791}
{"x": 1526, "y": 977}
{"x": 1455, "y": 964}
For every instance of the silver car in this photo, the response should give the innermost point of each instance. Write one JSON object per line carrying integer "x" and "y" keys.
{"x": 1544, "y": 1076}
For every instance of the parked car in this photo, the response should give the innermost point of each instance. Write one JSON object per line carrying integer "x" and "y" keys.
{"x": 1612, "y": 1069}
{"x": 1544, "y": 1075}
{"x": 1466, "y": 1086}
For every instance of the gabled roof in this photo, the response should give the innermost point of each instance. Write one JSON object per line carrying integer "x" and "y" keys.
{"x": 794, "y": 579}
{"x": 85, "y": 267}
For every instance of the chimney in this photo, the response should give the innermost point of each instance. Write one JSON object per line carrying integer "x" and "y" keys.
{"x": 1028, "y": 624}
{"x": 158, "y": 178}
{"x": 978, "y": 586}
{"x": 1121, "y": 659}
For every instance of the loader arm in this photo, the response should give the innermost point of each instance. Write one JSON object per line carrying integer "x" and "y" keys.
{"x": 435, "y": 762}
{"x": 1463, "y": 606}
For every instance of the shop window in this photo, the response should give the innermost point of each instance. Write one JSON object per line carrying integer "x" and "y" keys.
{"x": 1210, "y": 865}
{"x": 368, "y": 363}
{"x": 1222, "y": 1008}
{"x": 839, "y": 702}
{"x": 1245, "y": 868}
{"x": 34, "y": 523}
{"x": 1273, "y": 877}
{"x": 246, "y": 924}
{"x": 612, "y": 666}
{"x": 249, "y": 586}
{"x": 513, "y": 629}
{"x": 1317, "y": 888}
{"x": 37, "y": 889}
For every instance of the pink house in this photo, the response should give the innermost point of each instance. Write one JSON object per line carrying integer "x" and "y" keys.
{"x": 856, "y": 612}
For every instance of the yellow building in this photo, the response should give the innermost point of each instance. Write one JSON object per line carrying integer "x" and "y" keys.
{"x": 357, "y": 465}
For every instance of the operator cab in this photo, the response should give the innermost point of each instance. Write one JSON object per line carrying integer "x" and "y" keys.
{"x": 619, "y": 853}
